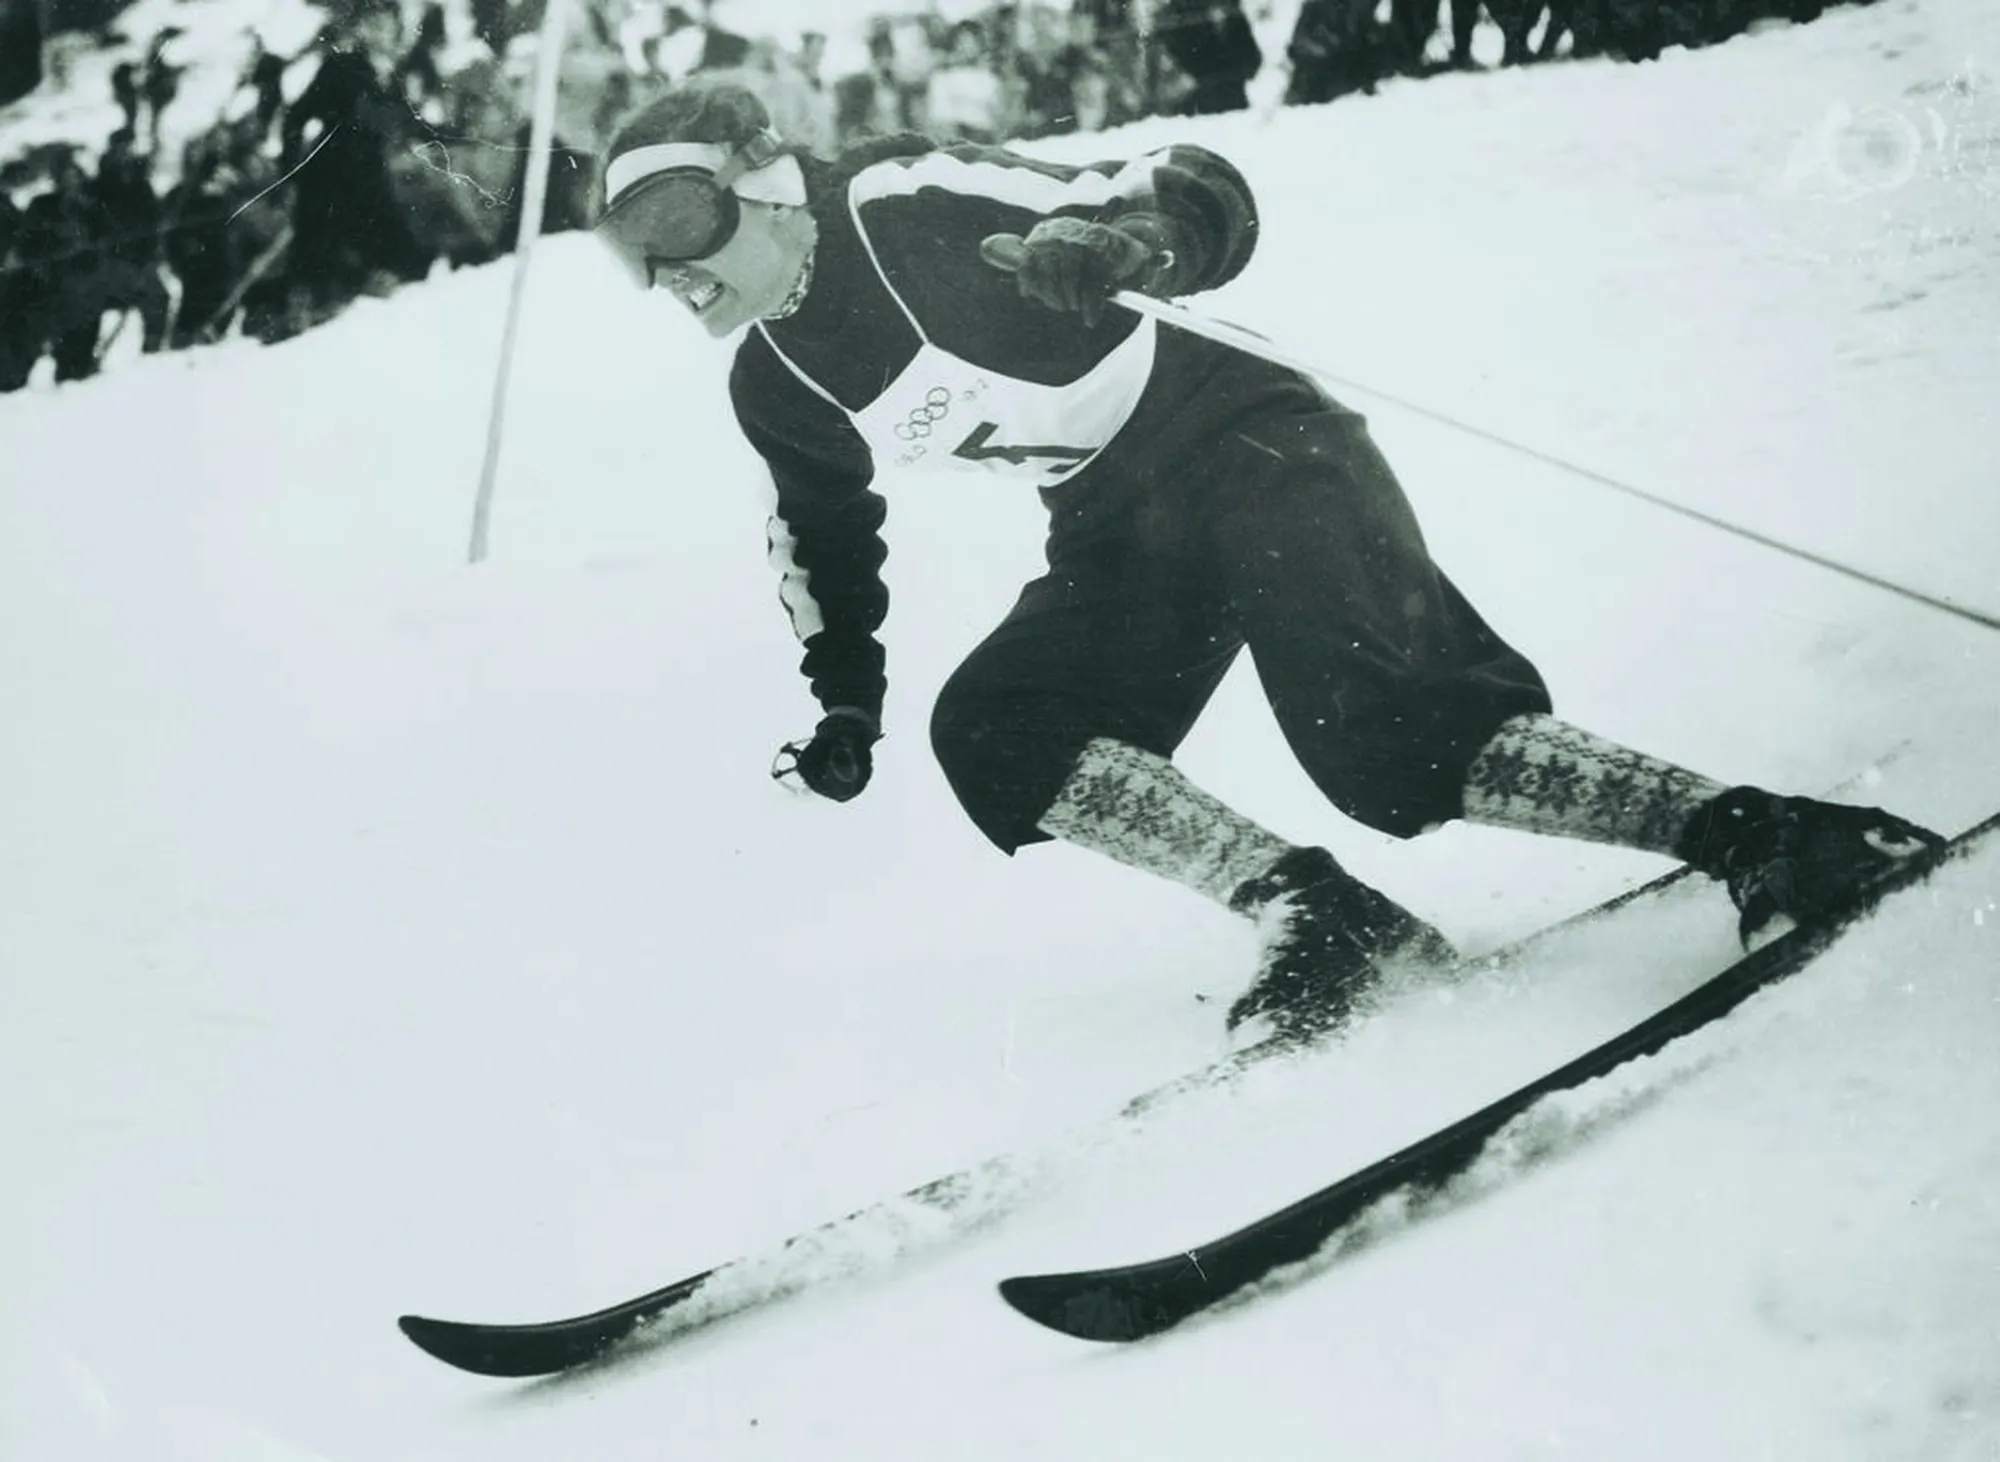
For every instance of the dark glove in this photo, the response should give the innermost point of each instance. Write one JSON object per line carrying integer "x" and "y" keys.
{"x": 838, "y": 761}
{"x": 1075, "y": 265}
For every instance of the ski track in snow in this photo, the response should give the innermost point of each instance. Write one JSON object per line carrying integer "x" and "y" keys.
{"x": 378, "y": 934}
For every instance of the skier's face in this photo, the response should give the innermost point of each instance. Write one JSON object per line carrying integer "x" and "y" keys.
{"x": 751, "y": 276}
{"x": 724, "y": 229}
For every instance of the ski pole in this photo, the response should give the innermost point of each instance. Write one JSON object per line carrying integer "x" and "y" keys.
{"x": 1225, "y": 333}
{"x": 1250, "y": 342}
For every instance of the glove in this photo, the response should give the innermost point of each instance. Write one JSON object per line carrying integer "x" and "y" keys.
{"x": 837, "y": 762}
{"x": 1075, "y": 265}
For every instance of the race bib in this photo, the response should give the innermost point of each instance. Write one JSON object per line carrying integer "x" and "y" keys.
{"x": 944, "y": 413}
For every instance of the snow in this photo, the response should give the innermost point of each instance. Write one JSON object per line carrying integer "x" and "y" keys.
{"x": 380, "y": 934}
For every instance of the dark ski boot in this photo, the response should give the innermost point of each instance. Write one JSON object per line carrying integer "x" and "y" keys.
{"x": 1326, "y": 935}
{"x": 1809, "y": 861}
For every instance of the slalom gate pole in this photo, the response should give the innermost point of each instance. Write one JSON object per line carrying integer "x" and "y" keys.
{"x": 1250, "y": 342}
{"x": 541, "y": 148}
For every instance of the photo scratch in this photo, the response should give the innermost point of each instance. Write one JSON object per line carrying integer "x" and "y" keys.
{"x": 288, "y": 176}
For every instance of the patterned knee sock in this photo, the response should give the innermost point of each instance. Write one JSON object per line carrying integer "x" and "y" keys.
{"x": 1138, "y": 809}
{"x": 1541, "y": 775}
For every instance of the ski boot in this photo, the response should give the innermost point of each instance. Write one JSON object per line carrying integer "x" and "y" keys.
{"x": 1326, "y": 934}
{"x": 1810, "y": 861}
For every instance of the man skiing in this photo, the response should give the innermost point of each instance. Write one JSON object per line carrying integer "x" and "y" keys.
{"x": 913, "y": 306}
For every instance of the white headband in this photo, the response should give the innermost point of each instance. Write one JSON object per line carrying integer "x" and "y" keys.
{"x": 778, "y": 181}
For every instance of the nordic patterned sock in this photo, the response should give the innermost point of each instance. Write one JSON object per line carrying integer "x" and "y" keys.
{"x": 1139, "y": 809}
{"x": 1541, "y": 775}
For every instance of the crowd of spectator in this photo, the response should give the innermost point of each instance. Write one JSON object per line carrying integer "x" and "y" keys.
{"x": 388, "y": 163}
{"x": 1343, "y": 46}
{"x": 278, "y": 215}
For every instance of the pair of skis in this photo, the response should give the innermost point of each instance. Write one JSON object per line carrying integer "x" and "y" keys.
{"x": 1134, "y": 1301}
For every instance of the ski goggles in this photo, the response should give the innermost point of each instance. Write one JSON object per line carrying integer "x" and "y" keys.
{"x": 679, "y": 202}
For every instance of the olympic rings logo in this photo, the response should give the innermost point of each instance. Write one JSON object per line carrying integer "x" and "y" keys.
{"x": 936, "y": 407}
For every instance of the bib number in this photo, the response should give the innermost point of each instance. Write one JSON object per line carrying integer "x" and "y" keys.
{"x": 975, "y": 448}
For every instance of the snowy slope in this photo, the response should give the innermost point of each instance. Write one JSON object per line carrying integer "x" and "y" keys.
{"x": 380, "y": 934}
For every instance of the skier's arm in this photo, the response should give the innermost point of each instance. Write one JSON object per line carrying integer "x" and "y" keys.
{"x": 1178, "y": 225}
{"x": 824, "y": 532}
{"x": 824, "y": 539}
{"x": 1176, "y": 221}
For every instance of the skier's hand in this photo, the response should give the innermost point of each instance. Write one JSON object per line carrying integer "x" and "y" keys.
{"x": 1075, "y": 265}
{"x": 839, "y": 758}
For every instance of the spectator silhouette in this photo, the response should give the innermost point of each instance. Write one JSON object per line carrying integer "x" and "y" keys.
{"x": 962, "y": 98}
{"x": 159, "y": 80}
{"x": 60, "y": 233}
{"x": 1212, "y": 42}
{"x": 16, "y": 357}
{"x": 349, "y": 230}
{"x": 20, "y": 48}
{"x": 127, "y": 276}
{"x": 1336, "y": 48}
{"x": 265, "y": 76}
{"x": 125, "y": 91}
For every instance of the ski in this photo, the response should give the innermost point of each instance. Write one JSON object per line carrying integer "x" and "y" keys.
{"x": 947, "y": 1206}
{"x": 1134, "y": 1301}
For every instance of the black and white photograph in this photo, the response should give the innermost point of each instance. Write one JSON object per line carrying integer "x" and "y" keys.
{"x": 969, "y": 730}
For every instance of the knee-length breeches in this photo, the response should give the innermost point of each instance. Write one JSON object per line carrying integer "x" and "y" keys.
{"x": 1275, "y": 526}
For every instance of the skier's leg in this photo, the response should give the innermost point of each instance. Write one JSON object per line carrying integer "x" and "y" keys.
{"x": 1805, "y": 859}
{"x": 1384, "y": 680}
{"x": 1112, "y": 648}
{"x": 1137, "y": 807}
{"x": 1062, "y": 724}
{"x": 1325, "y": 933}
{"x": 1408, "y": 711}
{"x": 1542, "y": 775}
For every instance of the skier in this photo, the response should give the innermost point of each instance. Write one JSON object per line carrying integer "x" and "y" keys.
{"x": 914, "y": 306}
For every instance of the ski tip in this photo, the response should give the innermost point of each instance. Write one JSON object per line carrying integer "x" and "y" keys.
{"x": 515, "y": 1352}
{"x": 439, "y": 1338}
{"x": 1076, "y": 1305}
{"x": 467, "y": 1348}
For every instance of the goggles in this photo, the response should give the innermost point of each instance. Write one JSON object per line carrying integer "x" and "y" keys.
{"x": 678, "y": 202}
